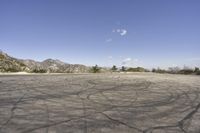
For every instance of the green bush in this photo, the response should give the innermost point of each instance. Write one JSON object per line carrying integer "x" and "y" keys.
{"x": 39, "y": 71}
{"x": 198, "y": 73}
{"x": 11, "y": 70}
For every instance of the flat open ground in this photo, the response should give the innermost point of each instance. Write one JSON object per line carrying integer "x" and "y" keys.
{"x": 100, "y": 103}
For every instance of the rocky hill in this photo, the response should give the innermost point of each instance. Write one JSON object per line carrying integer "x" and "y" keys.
{"x": 11, "y": 64}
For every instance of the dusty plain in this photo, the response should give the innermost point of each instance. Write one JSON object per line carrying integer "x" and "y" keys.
{"x": 100, "y": 103}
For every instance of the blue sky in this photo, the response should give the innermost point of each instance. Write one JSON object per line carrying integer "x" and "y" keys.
{"x": 148, "y": 33}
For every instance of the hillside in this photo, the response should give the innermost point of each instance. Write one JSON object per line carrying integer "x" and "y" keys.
{"x": 11, "y": 64}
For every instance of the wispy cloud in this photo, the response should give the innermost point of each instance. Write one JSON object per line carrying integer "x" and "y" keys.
{"x": 121, "y": 32}
{"x": 110, "y": 57}
{"x": 193, "y": 59}
{"x": 109, "y": 40}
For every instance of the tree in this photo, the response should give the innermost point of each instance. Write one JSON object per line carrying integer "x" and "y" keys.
{"x": 158, "y": 70}
{"x": 95, "y": 69}
{"x": 114, "y": 68}
{"x": 196, "y": 69}
{"x": 153, "y": 70}
{"x": 186, "y": 70}
{"x": 123, "y": 69}
{"x": 174, "y": 70}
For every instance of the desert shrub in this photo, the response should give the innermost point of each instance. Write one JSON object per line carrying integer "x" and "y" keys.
{"x": 198, "y": 73}
{"x": 173, "y": 70}
{"x": 147, "y": 70}
{"x": 39, "y": 71}
{"x": 2, "y": 57}
{"x": 158, "y": 70}
{"x": 161, "y": 71}
{"x": 137, "y": 69}
{"x": 186, "y": 71}
{"x": 22, "y": 64}
{"x": 11, "y": 70}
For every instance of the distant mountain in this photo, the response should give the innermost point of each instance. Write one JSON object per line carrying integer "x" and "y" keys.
{"x": 11, "y": 64}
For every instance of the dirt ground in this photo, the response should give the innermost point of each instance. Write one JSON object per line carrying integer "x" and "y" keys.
{"x": 100, "y": 103}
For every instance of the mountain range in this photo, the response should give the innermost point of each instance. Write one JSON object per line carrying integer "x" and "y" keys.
{"x": 11, "y": 64}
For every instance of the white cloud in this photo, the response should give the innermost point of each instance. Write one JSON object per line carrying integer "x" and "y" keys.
{"x": 127, "y": 59}
{"x": 118, "y": 30}
{"x": 129, "y": 62}
{"x": 109, "y": 40}
{"x": 122, "y": 32}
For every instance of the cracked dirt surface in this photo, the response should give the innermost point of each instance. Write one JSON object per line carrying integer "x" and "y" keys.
{"x": 100, "y": 103}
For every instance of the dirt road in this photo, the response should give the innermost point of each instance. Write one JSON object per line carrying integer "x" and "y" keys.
{"x": 100, "y": 103}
